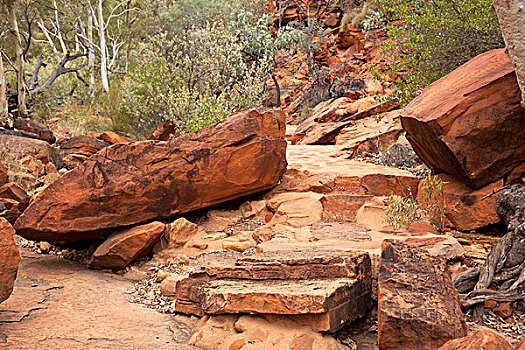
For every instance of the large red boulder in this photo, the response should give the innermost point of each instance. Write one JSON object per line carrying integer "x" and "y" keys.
{"x": 469, "y": 123}
{"x": 9, "y": 259}
{"x": 418, "y": 306}
{"x": 133, "y": 183}
{"x": 123, "y": 247}
{"x": 484, "y": 339}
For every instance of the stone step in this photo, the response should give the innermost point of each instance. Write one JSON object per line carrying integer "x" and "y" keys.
{"x": 325, "y": 289}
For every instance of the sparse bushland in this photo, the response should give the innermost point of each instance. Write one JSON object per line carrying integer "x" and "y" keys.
{"x": 429, "y": 39}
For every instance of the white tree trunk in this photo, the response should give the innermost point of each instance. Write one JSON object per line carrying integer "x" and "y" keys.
{"x": 22, "y": 110}
{"x": 91, "y": 53}
{"x": 4, "y": 112}
{"x": 103, "y": 48}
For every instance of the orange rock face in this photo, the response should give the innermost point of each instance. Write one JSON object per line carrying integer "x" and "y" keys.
{"x": 418, "y": 304}
{"x": 484, "y": 339}
{"x": 123, "y": 247}
{"x": 127, "y": 184}
{"x": 464, "y": 207}
{"x": 469, "y": 123}
{"x": 9, "y": 259}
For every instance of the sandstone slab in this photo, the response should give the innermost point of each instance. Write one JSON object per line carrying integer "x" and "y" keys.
{"x": 469, "y": 123}
{"x": 123, "y": 247}
{"x": 9, "y": 259}
{"x": 133, "y": 183}
{"x": 484, "y": 339}
{"x": 325, "y": 289}
{"x": 418, "y": 304}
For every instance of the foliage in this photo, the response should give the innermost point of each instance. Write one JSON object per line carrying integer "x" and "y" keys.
{"x": 404, "y": 210}
{"x": 359, "y": 16}
{"x": 197, "y": 78}
{"x": 429, "y": 39}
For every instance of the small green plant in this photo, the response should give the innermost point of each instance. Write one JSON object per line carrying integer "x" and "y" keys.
{"x": 406, "y": 209}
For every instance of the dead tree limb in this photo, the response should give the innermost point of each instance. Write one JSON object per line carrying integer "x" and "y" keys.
{"x": 35, "y": 87}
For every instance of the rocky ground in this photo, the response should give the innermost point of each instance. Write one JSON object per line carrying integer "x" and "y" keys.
{"x": 58, "y": 303}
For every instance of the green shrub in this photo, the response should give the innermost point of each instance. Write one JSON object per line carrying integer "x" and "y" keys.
{"x": 406, "y": 209}
{"x": 429, "y": 39}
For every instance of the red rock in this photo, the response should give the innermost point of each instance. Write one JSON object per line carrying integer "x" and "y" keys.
{"x": 40, "y": 130}
{"x": 9, "y": 259}
{"x": 369, "y": 135}
{"x": 329, "y": 117}
{"x": 464, "y": 207}
{"x": 484, "y": 339}
{"x": 504, "y": 310}
{"x": 4, "y": 177}
{"x": 111, "y": 137}
{"x": 13, "y": 191}
{"x": 133, "y": 183}
{"x": 83, "y": 144}
{"x": 123, "y": 247}
{"x": 469, "y": 123}
{"x": 17, "y": 146}
{"x": 325, "y": 289}
{"x": 418, "y": 305}
{"x": 163, "y": 131}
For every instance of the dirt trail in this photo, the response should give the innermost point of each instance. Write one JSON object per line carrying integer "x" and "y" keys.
{"x": 59, "y": 304}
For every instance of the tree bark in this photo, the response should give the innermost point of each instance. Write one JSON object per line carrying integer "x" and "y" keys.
{"x": 103, "y": 48}
{"x": 4, "y": 112}
{"x": 91, "y": 52}
{"x": 21, "y": 87}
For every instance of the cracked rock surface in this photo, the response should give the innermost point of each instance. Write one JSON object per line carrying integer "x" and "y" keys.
{"x": 59, "y": 304}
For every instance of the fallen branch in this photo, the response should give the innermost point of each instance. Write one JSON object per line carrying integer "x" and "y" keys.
{"x": 35, "y": 88}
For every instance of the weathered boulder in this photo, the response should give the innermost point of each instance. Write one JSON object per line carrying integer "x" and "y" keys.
{"x": 123, "y": 247}
{"x": 512, "y": 23}
{"x": 18, "y": 146}
{"x": 469, "y": 123}
{"x": 467, "y": 209}
{"x": 370, "y": 135}
{"x": 163, "y": 131}
{"x": 418, "y": 304}
{"x": 329, "y": 117}
{"x": 9, "y": 259}
{"x": 127, "y": 184}
{"x": 34, "y": 127}
{"x": 83, "y": 144}
{"x": 4, "y": 177}
{"x": 484, "y": 339}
